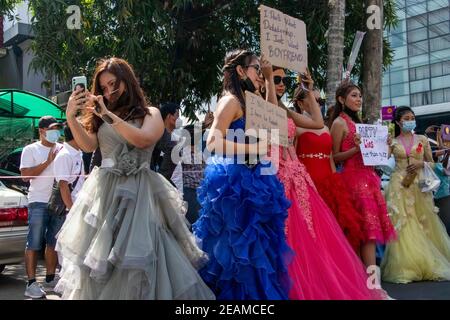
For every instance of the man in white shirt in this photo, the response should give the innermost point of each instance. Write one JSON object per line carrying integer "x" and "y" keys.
{"x": 36, "y": 166}
{"x": 69, "y": 169}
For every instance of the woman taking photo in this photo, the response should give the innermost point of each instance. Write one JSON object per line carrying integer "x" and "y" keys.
{"x": 422, "y": 251}
{"x": 126, "y": 237}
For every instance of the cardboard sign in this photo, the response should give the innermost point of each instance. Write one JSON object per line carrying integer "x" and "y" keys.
{"x": 387, "y": 113}
{"x": 374, "y": 148}
{"x": 283, "y": 39}
{"x": 265, "y": 116}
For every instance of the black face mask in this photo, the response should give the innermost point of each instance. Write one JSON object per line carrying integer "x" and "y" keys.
{"x": 247, "y": 85}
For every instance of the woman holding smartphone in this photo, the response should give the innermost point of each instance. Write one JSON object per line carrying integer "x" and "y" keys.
{"x": 126, "y": 237}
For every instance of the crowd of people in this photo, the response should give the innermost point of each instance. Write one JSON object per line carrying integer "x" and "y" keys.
{"x": 144, "y": 226}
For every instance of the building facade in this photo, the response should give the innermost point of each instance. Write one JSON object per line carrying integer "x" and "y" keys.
{"x": 15, "y": 69}
{"x": 420, "y": 74}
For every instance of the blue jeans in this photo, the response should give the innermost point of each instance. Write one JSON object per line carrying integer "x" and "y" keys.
{"x": 42, "y": 226}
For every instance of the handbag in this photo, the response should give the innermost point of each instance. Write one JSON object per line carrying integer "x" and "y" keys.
{"x": 429, "y": 181}
{"x": 56, "y": 204}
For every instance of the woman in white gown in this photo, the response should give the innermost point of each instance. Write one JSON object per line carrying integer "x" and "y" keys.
{"x": 126, "y": 236}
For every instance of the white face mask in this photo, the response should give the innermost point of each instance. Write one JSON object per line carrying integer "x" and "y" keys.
{"x": 178, "y": 123}
{"x": 52, "y": 136}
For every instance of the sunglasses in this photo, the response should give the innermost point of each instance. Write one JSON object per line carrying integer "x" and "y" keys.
{"x": 257, "y": 67}
{"x": 277, "y": 80}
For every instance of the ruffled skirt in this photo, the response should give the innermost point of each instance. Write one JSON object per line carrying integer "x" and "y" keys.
{"x": 126, "y": 238}
{"x": 364, "y": 188}
{"x": 241, "y": 226}
{"x": 422, "y": 251}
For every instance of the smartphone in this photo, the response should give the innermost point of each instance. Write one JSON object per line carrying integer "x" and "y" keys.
{"x": 79, "y": 82}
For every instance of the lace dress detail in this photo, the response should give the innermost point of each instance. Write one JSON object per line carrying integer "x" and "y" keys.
{"x": 364, "y": 186}
{"x": 294, "y": 176}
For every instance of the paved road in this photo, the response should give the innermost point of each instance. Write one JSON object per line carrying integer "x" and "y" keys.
{"x": 13, "y": 279}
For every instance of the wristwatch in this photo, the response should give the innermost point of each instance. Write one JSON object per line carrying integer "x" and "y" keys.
{"x": 107, "y": 119}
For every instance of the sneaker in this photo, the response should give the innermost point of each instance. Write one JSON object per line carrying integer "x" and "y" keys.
{"x": 52, "y": 284}
{"x": 34, "y": 291}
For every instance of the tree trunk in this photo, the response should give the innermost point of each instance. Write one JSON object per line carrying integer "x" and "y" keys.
{"x": 373, "y": 61}
{"x": 336, "y": 30}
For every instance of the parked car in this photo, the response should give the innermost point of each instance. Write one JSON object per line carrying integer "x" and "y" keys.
{"x": 10, "y": 167}
{"x": 11, "y": 162}
{"x": 13, "y": 226}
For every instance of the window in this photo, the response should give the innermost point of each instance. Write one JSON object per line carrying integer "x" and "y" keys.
{"x": 386, "y": 81}
{"x": 417, "y": 48}
{"x": 399, "y": 76}
{"x": 400, "y": 64}
{"x": 385, "y": 92}
{"x": 439, "y": 29}
{"x": 417, "y": 35}
{"x": 439, "y": 56}
{"x": 445, "y": 67}
{"x": 397, "y": 40}
{"x": 419, "y": 73}
{"x": 447, "y": 94}
{"x": 400, "y": 89}
{"x": 440, "y": 43}
{"x": 414, "y": 9}
{"x": 400, "y": 27}
{"x": 420, "y": 99}
{"x": 400, "y": 101}
{"x": 418, "y": 60}
{"x": 436, "y": 4}
{"x": 440, "y": 15}
{"x": 417, "y": 22}
{"x": 440, "y": 82}
{"x": 436, "y": 69}
{"x": 401, "y": 52}
{"x": 437, "y": 96}
{"x": 420, "y": 85}
{"x": 400, "y": 3}
{"x": 386, "y": 102}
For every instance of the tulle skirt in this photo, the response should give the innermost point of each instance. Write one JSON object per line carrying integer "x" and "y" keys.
{"x": 126, "y": 238}
{"x": 422, "y": 251}
{"x": 333, "y": 191}
{"x": 325, "y": 266}
{"x": 364, "y": 187}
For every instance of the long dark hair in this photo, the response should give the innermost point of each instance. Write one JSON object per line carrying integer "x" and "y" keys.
{"x": 343, "y": 91}
{"x": 131, "y": 105}
{"x": 398, "y": 114}
{"x": 231, "y": 80}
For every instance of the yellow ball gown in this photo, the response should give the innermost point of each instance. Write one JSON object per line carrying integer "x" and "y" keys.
{"x": 422, "y": 251}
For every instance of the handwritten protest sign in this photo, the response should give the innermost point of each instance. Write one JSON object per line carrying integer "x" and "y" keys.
{"x": 374, "y": 148}
{"x": 283, "y": 39}
{"x": 263, "y": 115}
